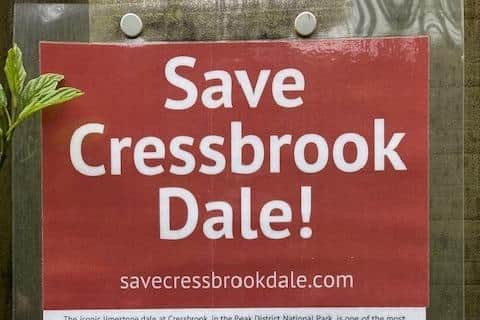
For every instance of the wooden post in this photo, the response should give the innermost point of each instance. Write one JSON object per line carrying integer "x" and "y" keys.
{"x": 235, "y": 20}
{"x": 6, "y": 13}
{"x": 472, "y": 160}
{"x": 218, "y": 20}
{"x": 70, "y": 23}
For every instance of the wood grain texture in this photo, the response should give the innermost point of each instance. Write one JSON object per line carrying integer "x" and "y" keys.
{"x": 472, "y": 159}
{"x": 6, "y": 17}
{"x": 34, "y": 22}
{"x": 237, "y": 20}
{"x": 53, "y": 1}
{"x": 218, "y": 20}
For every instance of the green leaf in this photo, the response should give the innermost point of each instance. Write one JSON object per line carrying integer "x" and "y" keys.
{"x": 3, "y": 98}
{"x": 4, "y": 113}
{"x": 40, "y": 86}
{"x": 14, "y": 71}
{"x": 51, "y": 98}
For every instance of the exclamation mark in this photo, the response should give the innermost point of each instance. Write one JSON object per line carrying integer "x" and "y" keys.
{"x": 306, "y": 210}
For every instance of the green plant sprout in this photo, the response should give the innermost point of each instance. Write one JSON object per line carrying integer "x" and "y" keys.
{"x": 26, "y": 100}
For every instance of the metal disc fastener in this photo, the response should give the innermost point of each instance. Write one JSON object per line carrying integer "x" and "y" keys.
{"x": 131, "y": 25}
{"x": 305, "y": 23}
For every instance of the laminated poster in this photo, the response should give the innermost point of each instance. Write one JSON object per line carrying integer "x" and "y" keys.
{"x": 258, "y": 180}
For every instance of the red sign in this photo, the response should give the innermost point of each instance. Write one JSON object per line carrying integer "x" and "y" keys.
{"x": 237, "y": 174}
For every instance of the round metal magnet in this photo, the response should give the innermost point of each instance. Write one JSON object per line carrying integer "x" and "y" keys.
{"x": 131, "y": 25}
{"x": 305, "y": 23}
